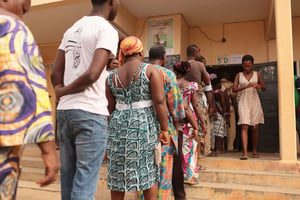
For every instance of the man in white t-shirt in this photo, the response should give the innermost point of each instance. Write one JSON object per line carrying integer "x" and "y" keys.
{"x": 78, "y": 78}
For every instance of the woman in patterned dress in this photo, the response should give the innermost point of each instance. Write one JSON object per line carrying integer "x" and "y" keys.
{"x": 189, "y": 128}
{"x": 138, "y": 122}
{"x": 250, "y": 111}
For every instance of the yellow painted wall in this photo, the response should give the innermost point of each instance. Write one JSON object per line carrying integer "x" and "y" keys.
{"x": 296, "y": 37}
{"x": 125, "y": 21}
{"x": 184, "y": 38}
{"x": 241, "y": 38}
{"x": 48, "y": 52}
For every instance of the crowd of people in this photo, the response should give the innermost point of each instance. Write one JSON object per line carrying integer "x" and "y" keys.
{"x": 150, "y": 123}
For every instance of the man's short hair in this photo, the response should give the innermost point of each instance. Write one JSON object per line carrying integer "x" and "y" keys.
{"x": 191, "y": 49}
{"x": 157, "y": 52}
{"x": 98, "y": 2}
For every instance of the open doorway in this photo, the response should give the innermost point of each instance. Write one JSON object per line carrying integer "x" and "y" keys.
{"x": 269, "y": 131}
{"x": 225, "y": 71}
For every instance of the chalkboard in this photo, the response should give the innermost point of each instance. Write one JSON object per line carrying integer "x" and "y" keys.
{"x": 269, "y": 132}
{"x": 171, "y": 60}
{"x": 268, "y": 71}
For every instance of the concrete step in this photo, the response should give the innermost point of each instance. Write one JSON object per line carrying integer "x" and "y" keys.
{"x": 32, "y": 161}
{"x": 266, "y": 162}
{"x": 250, "y": 177}
{"x": 33, "y": 169}
{"x": 34, "y": 174}
{"x": 225, "y": 191}
{"x": 226, "y": 177}
{"x": 54, "y": 187}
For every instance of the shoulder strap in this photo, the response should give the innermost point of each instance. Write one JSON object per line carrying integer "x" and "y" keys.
{"x": 136, "y": 72}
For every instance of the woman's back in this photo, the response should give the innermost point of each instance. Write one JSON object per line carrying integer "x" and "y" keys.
{"x": 133, "y": 132}
{"x": 138, "y": 90}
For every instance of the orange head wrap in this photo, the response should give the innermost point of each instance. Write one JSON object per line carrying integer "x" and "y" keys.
{"x": 129, "y": 46}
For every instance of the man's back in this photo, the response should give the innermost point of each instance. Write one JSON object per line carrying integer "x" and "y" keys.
{"x": 197, "y": 72}
{"x": 79, "y": 43}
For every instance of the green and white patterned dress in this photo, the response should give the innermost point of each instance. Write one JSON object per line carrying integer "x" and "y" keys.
{"x": 132, "y": 136}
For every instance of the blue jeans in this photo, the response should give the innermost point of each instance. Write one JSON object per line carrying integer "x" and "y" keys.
{"x": 83, "y": 137}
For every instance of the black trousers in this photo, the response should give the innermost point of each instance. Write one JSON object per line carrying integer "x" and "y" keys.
{"x": 177, "y": 176}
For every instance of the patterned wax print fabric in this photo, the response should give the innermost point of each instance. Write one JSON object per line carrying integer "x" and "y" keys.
{"x": 25, "y": 115}
{"x": 132, "y": 136}
{"x": 220, "y": 128}
{"x": 189, "y": 146}
{"x": 175, "y": 114}
{"x": 10, "y": 171}
{"x": 249, "y": 107}
{"x": 174, "y": 102}
{"x": 189, "y": 155}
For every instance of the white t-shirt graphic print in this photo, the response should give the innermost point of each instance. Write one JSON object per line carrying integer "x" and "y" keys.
{"x": 79, "y": 43}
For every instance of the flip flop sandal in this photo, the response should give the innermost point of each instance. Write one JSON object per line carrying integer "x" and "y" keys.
{"x": 212, "y": 155}
{"x": 201, "y": 168}
{"x": 244, "y": 158}
{"x": 191, "y": 181}
{"x": 255, "y": 155}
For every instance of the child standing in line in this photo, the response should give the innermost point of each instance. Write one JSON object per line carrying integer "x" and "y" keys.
{"x": 220, "y": 130}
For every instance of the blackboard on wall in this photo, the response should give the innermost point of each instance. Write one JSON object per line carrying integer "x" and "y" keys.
{"x": 171, "y": 60}
{"x": 269, "y": 131}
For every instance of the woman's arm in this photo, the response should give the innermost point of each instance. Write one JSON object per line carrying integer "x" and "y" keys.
{"x": 225, "y": 108}
{"x": 110, "y": 98}
{"x": 159, "y": 101}
{"x": 190, "y": 118}
{"x": 261, "y": 84}
{"x": 197, "y": 110}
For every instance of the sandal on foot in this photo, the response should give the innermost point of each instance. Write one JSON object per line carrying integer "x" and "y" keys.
{"x": 191, "y": 181}
{"x": 212, "y": 155}
{"x": 255, "y": 155}
{"x": 200, "y": 167}
{"x": 244, "y": 158}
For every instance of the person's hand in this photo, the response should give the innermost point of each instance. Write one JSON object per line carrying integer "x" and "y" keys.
{"x": 254, "y": 85}
{"x": 51, "y": 161}
{"x": 164, "y": 137}
{"x": 215, "y": 115}
{"x": 204, "y": 128}
{"x": 58, "y": 91}
{"x": 195, "y": 135}
{"x": 211, "y": 111}
{"x": 227, "y": 118}
{"x": 190, "y": 138}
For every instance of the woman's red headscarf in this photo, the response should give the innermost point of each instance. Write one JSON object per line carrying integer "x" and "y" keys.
{"x": 129, "y": 46}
